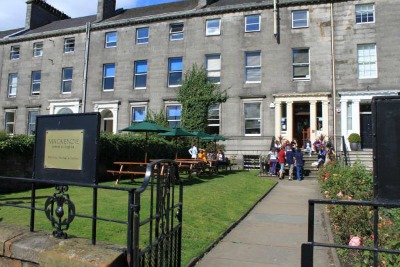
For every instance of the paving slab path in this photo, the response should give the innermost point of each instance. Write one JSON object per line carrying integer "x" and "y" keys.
{"x": 272, "y": 233}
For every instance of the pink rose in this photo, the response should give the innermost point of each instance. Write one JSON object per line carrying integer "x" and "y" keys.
{"x": 355, "y": 241}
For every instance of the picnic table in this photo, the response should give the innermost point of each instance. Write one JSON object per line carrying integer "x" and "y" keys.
{"x": 197, "y": 166}
{"x": 129, "y": 168}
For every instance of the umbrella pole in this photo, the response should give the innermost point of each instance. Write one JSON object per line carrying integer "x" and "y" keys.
{"x": 147, "y": 147}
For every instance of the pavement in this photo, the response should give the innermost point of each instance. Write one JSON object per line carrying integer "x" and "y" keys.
{"x": 272, "y": 233}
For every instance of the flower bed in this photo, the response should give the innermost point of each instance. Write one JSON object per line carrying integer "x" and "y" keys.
{"x": 353, "y": 225}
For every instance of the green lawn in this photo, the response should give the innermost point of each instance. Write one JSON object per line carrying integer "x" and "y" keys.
{"x": 210, "y": 206}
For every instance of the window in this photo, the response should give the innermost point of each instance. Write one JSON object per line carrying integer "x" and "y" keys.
{"x": 138, "y": 114}
{"x": 365, "y": 13}
{"x": 111, "y": 39}
{"x": 252, "y": 118}
{"x": 140, "y": 79}
{"x": 12, "y": 84}
{"x": 349, "y": 116}
{"x": 301, "y": 63}
{"x": 69, "y": 45}
{"x": 253, "y": 67}
{"x": 367, "y": 65}
{"x": 108, "y": 77}
{"x": 299, "y": 19}
{"x": 213, "y": 67}
{"x": 213, "y": 27}
{"x": 32, "y": 114}
{"x": 14, "y": 54}
{"x": 66, "y": 86}
{"x": 38, "y": 49}
{"x": 176, "y": 31}
{"x": 174, "y": 116}
{"x": 142, "y": 35}
{"x": 9, "y": 122}
{"x": 213, "y": 119}
{"x": 252, "y": 23}
{"x": 35, "y": 86}
{"x": 175, "y": 71}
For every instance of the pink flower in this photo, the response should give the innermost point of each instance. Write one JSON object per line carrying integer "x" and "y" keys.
{"x": 340, "y": 194}
{"x": 355, "y": 241}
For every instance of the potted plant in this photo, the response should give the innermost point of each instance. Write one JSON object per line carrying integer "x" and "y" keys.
{"x": 354, "y": 140}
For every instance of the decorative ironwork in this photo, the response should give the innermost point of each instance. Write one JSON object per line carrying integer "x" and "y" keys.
{"x": 55, "y": 211}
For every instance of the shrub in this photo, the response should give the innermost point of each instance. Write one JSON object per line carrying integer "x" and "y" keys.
{"x": 354, "y": 138}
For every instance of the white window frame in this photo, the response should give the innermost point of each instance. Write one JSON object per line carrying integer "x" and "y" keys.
{"x": 177, "y": 121}
{"x": 301, "y": 64}
{"x": 349, "y": 113}
{"x": 145, "y": 39}
{"x": 176, "y": 34}
{"x": 247, "y": 24}
{"x": 367, "y": 61}
{"x": 66, "y": 80}
{"x": 364, "y": 10}
{"x": 59, "y": 104}
{"x": 134, "y": 106}
{"x": 12, "y": 84}
{"x": 35, "y": 82}
{"x": 213, "y": 31}
{"x": 259, "y": 118}
{"x": 111, "y": 44}
{"x": 212, "y": 123}
{"x": 108, "y": 77}
{"x": 69, "y": 45}
{"x": 213, "y": 70}
{"x": 139, "y": 74}
{"x": 253, "y": 67}
{"x": 171, "y": 72}
{"x": 306, "y": 19}
{"x": 31, "y": 123}
{"x": 38, "y": 49}
{"x": 102, "y": 107}
{"x": 15, "y": 52}
{"x": 8, "y": 123}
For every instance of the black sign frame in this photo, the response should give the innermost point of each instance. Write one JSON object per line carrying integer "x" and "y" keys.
{"x": 89, "y": 123}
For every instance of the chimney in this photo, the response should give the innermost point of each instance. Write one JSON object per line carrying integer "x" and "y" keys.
{"x": 39, "y": 13}
{"x": 105, "y": 9}
{"x": 204, "y": 3}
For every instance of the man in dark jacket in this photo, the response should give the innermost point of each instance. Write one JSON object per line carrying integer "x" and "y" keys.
{"x": 290, "y": 161}
{"x": 298, "y": 158}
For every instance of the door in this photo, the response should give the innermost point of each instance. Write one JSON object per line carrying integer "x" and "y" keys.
{"x": 366, "y": 130}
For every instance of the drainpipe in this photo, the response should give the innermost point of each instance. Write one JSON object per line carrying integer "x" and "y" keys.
{"x": 85, "y": 69}
{"x": 275, "y": 20}
{"x": 333, "y": 76}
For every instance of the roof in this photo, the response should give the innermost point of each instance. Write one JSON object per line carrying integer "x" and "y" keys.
{"x": 8, "y": 32}
{"x": 63, "y": 24}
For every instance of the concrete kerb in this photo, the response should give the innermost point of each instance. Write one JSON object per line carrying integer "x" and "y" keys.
{"x": 331, "y": 239}
{"x": 216, "y": 241}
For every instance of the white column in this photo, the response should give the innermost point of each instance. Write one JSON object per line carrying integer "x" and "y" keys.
{"x": 278, "y": 116}
{"x": 313, "y": 120}
{"x": 289, "y": 116}
{"x": 325, "y": 117}
{"x": 356, "y": 115}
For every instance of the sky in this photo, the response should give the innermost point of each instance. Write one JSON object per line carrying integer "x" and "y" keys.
{"x": 13, "y": 12}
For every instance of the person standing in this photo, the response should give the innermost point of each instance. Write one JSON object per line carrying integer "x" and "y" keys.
{"x": 290, "y": 161}
{"x": 193, "y": 151}
{"x": 281, "y": 160}
{"x": 298, "y": 158}
{"x": 273, "y": 158}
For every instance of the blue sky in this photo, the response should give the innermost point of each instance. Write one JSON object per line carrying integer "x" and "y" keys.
{"x": 13, "y": 12}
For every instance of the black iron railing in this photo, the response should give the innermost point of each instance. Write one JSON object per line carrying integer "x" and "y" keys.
{"x": 345, "y": 152}
{"x": 307, "y": 249}
{"x": 163, "y": 225}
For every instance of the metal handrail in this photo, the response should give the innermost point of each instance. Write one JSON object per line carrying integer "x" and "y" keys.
{"x": 345, "y": 152}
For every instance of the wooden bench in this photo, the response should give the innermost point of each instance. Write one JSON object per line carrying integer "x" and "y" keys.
{"x": 194, "y": 166}
{"x": 128, "y": 168}
{"x": 120, "y": 173}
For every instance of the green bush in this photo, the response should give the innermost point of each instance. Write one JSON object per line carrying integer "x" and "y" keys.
{"x": 354, "y": 138}
{"x": 356, "y": 183}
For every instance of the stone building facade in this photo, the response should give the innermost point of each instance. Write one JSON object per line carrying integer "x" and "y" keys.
{"x": 292, "y": 68}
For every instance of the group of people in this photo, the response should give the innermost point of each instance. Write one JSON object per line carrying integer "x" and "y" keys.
{"x": 289, "y": 154}
{"x": 203, "y": 155}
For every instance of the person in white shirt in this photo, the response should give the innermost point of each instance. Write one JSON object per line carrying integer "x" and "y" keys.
{"x": 193, "y": 151}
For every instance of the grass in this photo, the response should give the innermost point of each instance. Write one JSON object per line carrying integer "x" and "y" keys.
{"x": 210, "y": 206}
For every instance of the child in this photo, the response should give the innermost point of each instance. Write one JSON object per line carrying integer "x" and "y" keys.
{"x": 308, "y": 148}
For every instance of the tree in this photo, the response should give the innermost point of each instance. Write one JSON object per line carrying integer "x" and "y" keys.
{"x": 196, "y": 95}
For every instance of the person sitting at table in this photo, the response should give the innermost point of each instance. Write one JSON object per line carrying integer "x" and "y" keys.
{"x": 221, "y": 160}
{"x": 211, "y": 155}
{"x": 202, "y": 155}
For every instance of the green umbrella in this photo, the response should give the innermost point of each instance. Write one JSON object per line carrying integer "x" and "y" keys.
{"x": 199, "y": 134}
{"x": 215, "y": 138}
{"x": 176, "y": 132}
{"x": 146, "y": 127}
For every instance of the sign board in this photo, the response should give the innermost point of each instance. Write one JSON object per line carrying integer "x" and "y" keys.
{"x": 66, "y": 147}
{"x": 386, "y": 136}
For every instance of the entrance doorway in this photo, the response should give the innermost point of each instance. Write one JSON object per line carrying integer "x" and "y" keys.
{"x": 301, "y": 122}
{"x": 366, "y": 125}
